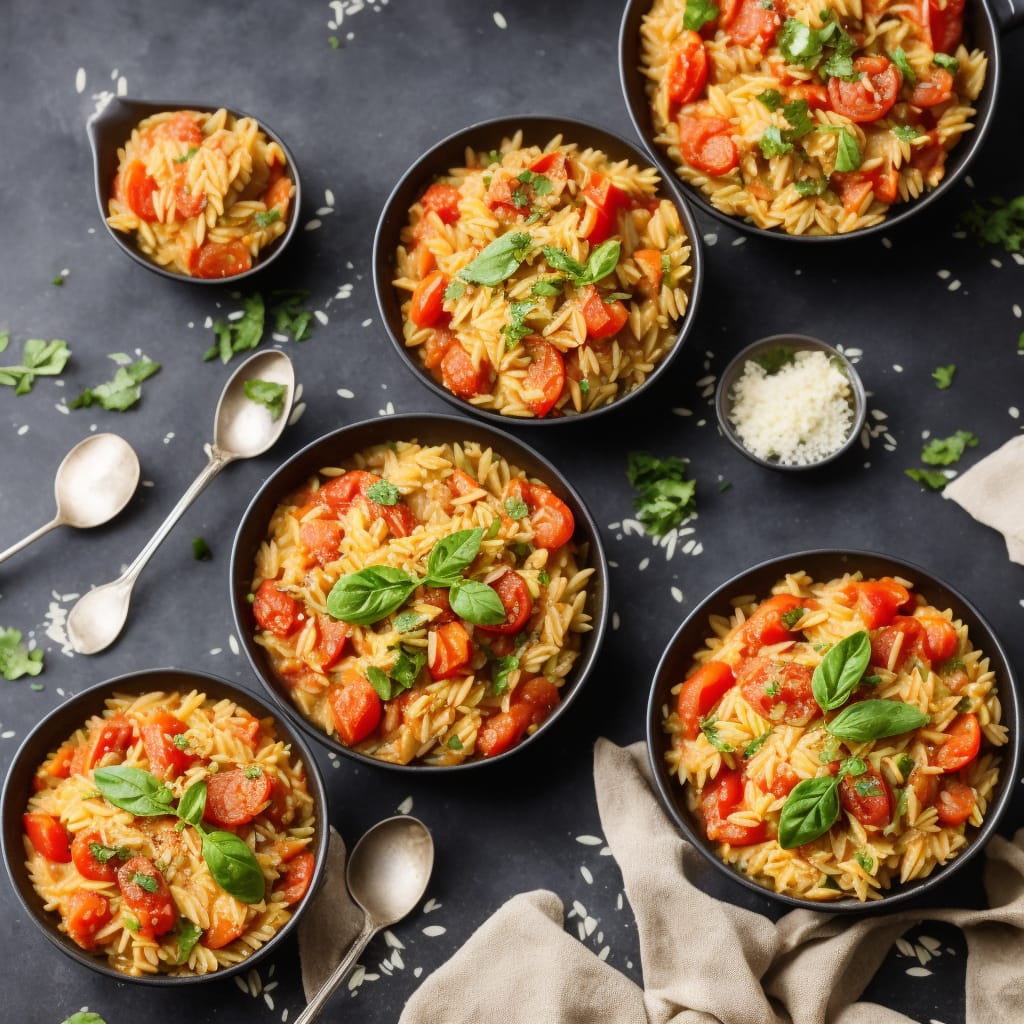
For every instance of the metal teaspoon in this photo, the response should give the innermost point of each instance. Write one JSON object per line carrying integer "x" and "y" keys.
{"x": 242, "y": 430}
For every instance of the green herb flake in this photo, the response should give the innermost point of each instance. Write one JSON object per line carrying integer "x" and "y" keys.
{"x": 772, "y": 689}
{"x": 409, "y": 622}
{"x": 122, "y": 392}
{"x": 494, "y": 529}
{"x": 239, "y": 335}
{"x": 946, "y": 62}
{"x": 102, "y": 854}
{"x": 16, "y": 660}
{"x": 963, "y": 705}
{"x": 865, "y": 860}
{"x": 772, "y": 143}
{"x": 756, "y": 744}
{"x": 499, "y": 260}
{"x": 455, "y": 743}
{"x": 945, "y": 451}
{"x": 288, "y": 315}
{"x": 698, "y": 13}
{"x": 800, "y": 44}
{"x": 797, "y": 114}
{"x": 899, "y": 58}
{"x": 380, "y": 681}
{"x": 943, "y": 376}
{"x": 770, "y": 98}
{"x": 933, "y": 479}
{"x": 264, "y": 218}
{"x": 810, "y": 186}
{"x": 383, "y": 492}
{"x": 516, "y": 508}
{"x": 516, "y": 329}
{"x": 180, "y": 741}
{"x": 201, "y": 550}
{"x": 144, "y": 881}
{"x": 905, "y": 764}
{"x": 267, "y": 393}
{"x": 187, "y": 934}
{"x": 709, "y": 727}
{"x": 58, "y": 281}
{"x": 792, "y": 617}
{"x": 333, "y": 42}
{"x": 848, "y": 155}
{"x": 665, "y": 498}
{"x": 773, "y": 359}
{"x": 185, "y": 157}
{"x": 867, "y": 787}
{"x": 131, "y": 923}
{"x": 905, "y": 132}
{"x": 38, "y": 359}
{"x": 543, "y": 577}
{"x": 503, "y": 668}
{"x": 996, "y": 222}
{"x": 870, "y": 680}
{"x": 548, "y": 287}
{"x": 455, "y": 290}
{"x": 584, "y": 385}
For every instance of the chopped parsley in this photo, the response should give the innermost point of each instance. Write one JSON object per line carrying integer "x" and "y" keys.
{"x": 905, "y": 132}
{"x": 503, "y": 668}
{"x": 772, "y": 143}
{"x": 770, "y": 98}
{"x": 810, "y": 186}
{"x": 131, "y": 923}
{"x": 709, "y": 727}
{"x": 584, "y": 385}
{"x": 407, "y": 666}
{"x": 870, "y": 680}
{"x": 698, "y": 13}
{"x": 239, "y": 335}
{"x": 253, "y": 771}
{"x": 333, "y": 42}
{"x": 58, "y": 280}
{"x": 264, "y": 218}
{"x": 407, "y": 622}
{"x": 383, "y": 492}
{"x": 516, "y": 329}
{"x": 600, "y": 263}
{"x": 543, "y": 577}
{"x": 455, "y": 290}
{"x": 180, "y": 741}
{"x": 455, "y": 743}
{"x": 267, "y": 393}
{"x": 16, "y": 660}
{"x": 123, "y": 391}
{"x": 38, "y": 359}
{"x": 201, "y": 550}
{"x": 792, "y": 617}
{"x": 865, "y": 860}
{"x": 944, "y": 451}
{"x": 899, "y": 58}
{"x": 664, "y": 498}
{"x": 185, "y": 157}
{"x": 516, "y": 508}
{"x": 540, "y": 184}
{"x": 144, "y": 881}
{"x": 288, "y": 315}
{"x": 840, "y": 63}
{"x": 772, "y": 689}
{"x": 905, "y": 764}
{"x": 947, "y": 63}
{"x": 101, "y": 854}
{"x": 963, "y": 705}
{"x": 933, "y": 479}
{"x": 773, "y": 359}
{"x": 756, "y": 744}
{"x": 943, "y": 376}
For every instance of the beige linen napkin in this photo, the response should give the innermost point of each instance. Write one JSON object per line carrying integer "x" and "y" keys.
{"x": 992, "y": 491}
{"x": 521, "y": 967}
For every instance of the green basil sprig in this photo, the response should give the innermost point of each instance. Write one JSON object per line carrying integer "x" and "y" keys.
{"x": 498, "y": 260}
{"x": 875, "y": 719}
{"x": 476, "y": 602}
{"x": 838, "y": 673}
{"x": 188, "y": 934}
{"x": 600, "y": 263}
{"x": 369, "y": 595}
{"x": 232, "y": 863}
{"x": 451, "y": 555}
{"x": 812, "y": 806}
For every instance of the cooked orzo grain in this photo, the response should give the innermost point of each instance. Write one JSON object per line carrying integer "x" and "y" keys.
{"x": 202, "y": 193}
{"x": 138, "y": 888}
{"x": 811, "y": 117}
{"x": 837, "y": 738}
{"x": 543, "y": 282}
{"x": 423, "y": 603}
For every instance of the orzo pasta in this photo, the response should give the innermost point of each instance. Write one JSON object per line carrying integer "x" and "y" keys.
{"x": 423, "y": 603}
{"x": 202, "y": 193}
{"x": 134, "y": 816}
{"x": 543, "y": 282}
{"x": 810, "y": 117}
{"x": 837, "y": 738}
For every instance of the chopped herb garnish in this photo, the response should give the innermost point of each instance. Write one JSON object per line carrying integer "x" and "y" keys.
{"x": 503, "y": 667}
{"x": 122, "y": 392}
{"x": 455, "y": 744}
{"x": 264, "y": 218}
{"x": 547, "y": 287}
{"x": 698, "y": 13}
{"x": 185, "y": 157}
{"x": 870, "y": 680}
{"x": 253, "y": 771}
{"x": 131, "y": 923}
{"x": 933, "y": 479}
{"x": 101, "y": 854}
{"x": 383, "y": 492}
{"x": 239, "y": 335}
{"x": 201, "y": 550}
{"x": 905, "y": 764}
{"x": 38, "y": 359}
{"x": 899, "y": 58}
{"x": 16, "y": 660}
{"x": 723, "y": 486}
{"x": 867, "y": 787}
{"x": 288, "y": 315}
{"x": 267, "y": 393}
{"x": 770, "y": 98}
{"x": 772, "y": 689}
{"x": 963, "y": 705}
{"x": 516, "y": 508}
{"x": 773, "y": 359}
{"x": 793, "y": 616}
{"x": 584, "y": 385}
{"x": 943, "y": 376}
{"x": 709, "y": 727}
{"x": 516, "y": 329}
{"x": 455, "y": 290}
{"x": 905, "y": 132}
{"x": 944, "y": 451}
{"x": 997, "y": 222}
{"x": 407, "y": 622}
{"x": 601, "y": 262}
{"x": 810, "y": 186}
{"x": 664, "y": 498}
{"x": 865, "y": 860}
{"x": 180, "y": 741}
{"x": 800, "y": 44}
{"x": 797, "y": 114}
{"x": 756, "y": 744}
{"x": 333, "y": 42}
{"x": 948, "y": 63}
{"x": 543, "y": 577}
{"x": 144, "y": 881}
{"x": 58, "y": 280}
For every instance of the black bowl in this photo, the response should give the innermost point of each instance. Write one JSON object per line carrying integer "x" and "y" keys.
{"x": 69, "y": 716}
{"x": 450, "y": 152}
{"x": 822, "y": 565}
{"x": 794, "y": 343}
{"x": 983, "y": 27}
{"x": 112, "y": 127}
{"x": 333, "y": 448}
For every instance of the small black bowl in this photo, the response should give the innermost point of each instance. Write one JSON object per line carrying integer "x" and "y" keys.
{"x": 788, "y": 344}
{"x": 59, "y": 724}
{"x": 677, "y": 661}
{"x": 984, "y": 23}
{"x": 331, "y": 450}
{"x": 486, "y": 135}
{"x": 112, "y": 127}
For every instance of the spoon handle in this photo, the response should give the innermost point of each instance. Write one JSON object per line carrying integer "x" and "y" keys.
{"x": 25, "y": 541}
{"x": 337, "y": 976}
{"x": 218, "y": 460}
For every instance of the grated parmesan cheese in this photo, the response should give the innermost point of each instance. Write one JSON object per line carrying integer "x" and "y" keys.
{"x": 796, "y": 416}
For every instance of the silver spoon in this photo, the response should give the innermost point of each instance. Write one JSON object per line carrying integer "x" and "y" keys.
{"x": 242, "y": 429}
{"x": 387, "y": 875}
{"x": 94, "y": 482}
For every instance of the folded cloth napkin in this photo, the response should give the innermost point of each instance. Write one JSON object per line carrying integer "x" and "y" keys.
{"x": 521, "y": 967}
{"x": 992, "y": 491}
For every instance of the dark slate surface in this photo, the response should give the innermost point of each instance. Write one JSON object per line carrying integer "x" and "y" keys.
{"x": 356, "y": 117}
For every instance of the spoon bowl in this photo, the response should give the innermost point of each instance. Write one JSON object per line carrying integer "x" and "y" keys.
{"x": 94, "y": 482}
{"x": 243, "y": 428}
{"x": 387, "y": 875}
{"x": 109, "y": 130}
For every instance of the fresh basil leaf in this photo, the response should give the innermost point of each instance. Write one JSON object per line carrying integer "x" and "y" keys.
{"x": 408, "y": 666}
{"x": 838, "y": 673}
{"x": 840, "y": 62}
{"x": 380, "y": 681}
{"x": 810, "y": 810}
{"x": 187, "y": 934}
{"x": 451, "y": 555}
{"x": 709, "y": 727}
{"x": 800, "y": 44}
{"x": 193, "y": 803}
{"x": 865, "y": 860}
{"x": 84, "y": 1017}
{"x": 516, "y": 329}
{"x": 797, "y": 114}
{"x": 698, "y": 13}
{"x": 875, "y": 719}
{"x": 559, "y": 259}
{"x": 899, "y": 58}
{"x": 383, "y": 492}
{"x": 369, "y": 595}
{"x": 772, "y": 143}
{"x": 601, "y": 262}
{"x": 234, "y": 866}
{"x": 38, "y": 358}
{"x": 770, "y": 98}
{"x": 102, "y": 854}
{"x": 148, "y": 883}
{"x": 267, "y": 393}
{"x": 407, "y": 622}
{"x": 477, "y": 603}
{"x": 945, "y": 61}
{"x": 499, "y": 260}
{"x": 264, "y": 218}
{"x": 455, "y": 290}
{"x": 756, "y": 744}
{"x": 134, "y": 790}
{"x": 503, "y": 667}
{"x": 847, "y": 152}
{"x": 944, "y": 451}
{"x": 547, "y": 287}
{"x": 455, "y": 743}
{"x": 516, "y": 508}
{"x": 933, "y": 479}
{"x": 664, "y": 498}
{"x": 905, "y": 132}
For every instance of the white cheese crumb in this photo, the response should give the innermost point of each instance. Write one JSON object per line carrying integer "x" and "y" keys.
{"x": 798, "y": 415}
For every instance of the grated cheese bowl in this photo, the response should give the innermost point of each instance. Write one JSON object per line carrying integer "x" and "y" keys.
{"x": 773, "y": 354}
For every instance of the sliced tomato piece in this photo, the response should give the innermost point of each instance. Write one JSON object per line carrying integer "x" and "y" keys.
{"x": 112, "y": 735}
{"x": 438, "y": 597}
{"x": 750, "y": 23}
{"x": 322, "y": 539}
{"x": 461, "y": 376}
{"x": 552, "y": 520}
{"x": 603, "y": 319}
{"x": 356, "y": 708}
{"x": 955, "y": 802}
{"x": 236, "y": 795}
{"x": 134, "y": 187}
{"x": 297, "y": 878}
{"x": 877, "y": 601}
{"x": 765, "y": 625}
{"x": 933, "y": 90}
{"x": 221, "y": 259}
{"x": 945, "y": 23}
{"x": 868, "y": 798}
{"x": 649, "y": 262}
{"x": 222, "y": 931}
{"x": 545, "y": 376}
{"x": 276, "y": 611}
{"x": 330, "y": 643}
{"x": 606, "y": 199}
{"x": 963, "y": 744}
{"x": 504, "y": 730}
{"x": 427, "y": 304}
{"x": 706, "y": 143}
{"x": 167, "y": 760}
{"x": 904, "y": 628}
{"x": 87, "y": 913}
{"x": 443, "y": 200}
{"x": 869, "y": 97}
{"x": 723, "y": 796}
{"x": 48, "y": 836}
{"x": 84, "y": 849}
{"x": 940, "y": 640}
{"x": 778, "y": 690}
{"x": 784, "y": 782}
{"x": 687, "y": 68}
{"x": 702, "y": 690}
{"x": 515, "y": 599}
{"x": 145, "y": 894}
{"x": 539, "y": 694}
{"x": 448, "y": 649}
{"x": 437, "y": 344}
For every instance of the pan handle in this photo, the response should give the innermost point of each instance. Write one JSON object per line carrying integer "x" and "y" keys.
{"x": 1009, "y": 14}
